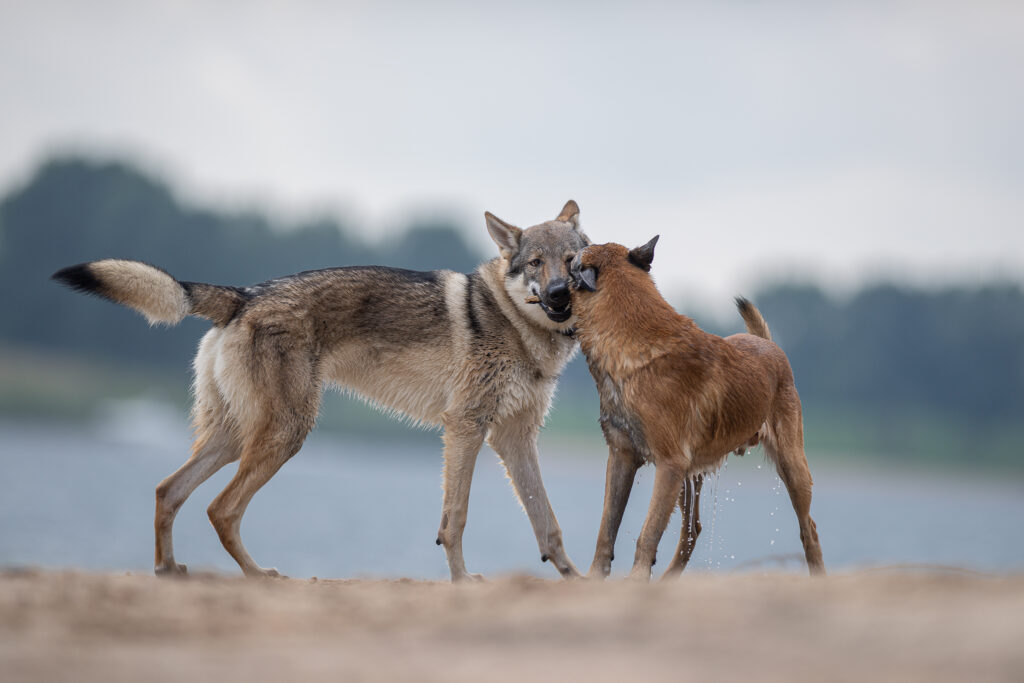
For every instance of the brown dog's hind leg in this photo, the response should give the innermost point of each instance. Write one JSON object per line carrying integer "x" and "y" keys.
{"x": 689, "y": 506}
{"x": 668, "y": 484}
{"x": 787, "y": 451}
{"x": 210, "y": 452}
{"x": 619, "y": 476}
{"x": 462, "y": 442}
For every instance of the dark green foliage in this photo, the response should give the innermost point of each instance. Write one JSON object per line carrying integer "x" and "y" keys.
{"x": 937, "y": 373}
{"x": 960, "y": 351}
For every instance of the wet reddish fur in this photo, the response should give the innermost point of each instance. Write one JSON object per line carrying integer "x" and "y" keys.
{"x": 698, "y": 396}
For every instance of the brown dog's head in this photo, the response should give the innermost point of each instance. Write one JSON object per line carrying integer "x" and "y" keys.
{"x": 586, "y": 268}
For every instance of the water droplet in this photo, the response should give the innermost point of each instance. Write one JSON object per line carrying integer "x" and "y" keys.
{"x": 773, "y": 542}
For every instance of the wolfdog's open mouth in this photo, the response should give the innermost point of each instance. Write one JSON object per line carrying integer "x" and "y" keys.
{"x": 558, "y": 315}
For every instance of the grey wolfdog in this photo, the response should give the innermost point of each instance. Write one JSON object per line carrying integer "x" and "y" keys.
{"x": 464, "y": 352}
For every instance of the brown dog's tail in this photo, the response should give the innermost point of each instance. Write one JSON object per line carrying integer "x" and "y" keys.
{"x": 752, "y": 317}
{"x": 152, "y": 292}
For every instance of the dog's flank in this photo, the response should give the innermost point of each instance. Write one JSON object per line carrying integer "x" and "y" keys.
{"x": 463, "y": 352}
{"x": 680, "y": 398}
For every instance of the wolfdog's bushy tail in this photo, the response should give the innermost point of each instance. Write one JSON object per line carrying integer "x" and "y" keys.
{"x": 152, "y": 291}
{"x": 752, "y": 317}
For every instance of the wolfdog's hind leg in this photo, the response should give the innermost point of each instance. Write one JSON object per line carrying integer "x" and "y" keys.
{"x": 210, "y": 452}
{"x": 689, "y": 506}
{"x": 462, "y": 442}
{"x": 263, "y": 455}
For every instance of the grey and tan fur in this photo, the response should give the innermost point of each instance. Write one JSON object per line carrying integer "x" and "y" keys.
{"x": 464, "y": 352}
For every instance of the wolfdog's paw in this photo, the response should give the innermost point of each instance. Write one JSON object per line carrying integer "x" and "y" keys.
{"x": 570, "y": 573}
{"x": 466, "y": 577}
{"x": 261, "y": 573}
{"x": 171, "y": 570}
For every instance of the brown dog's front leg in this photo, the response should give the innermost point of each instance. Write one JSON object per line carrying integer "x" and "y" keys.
{"x": 668, "y": 482}
{"x": 621, "y": 471}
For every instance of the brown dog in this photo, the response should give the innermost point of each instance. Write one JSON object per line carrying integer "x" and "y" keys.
{"x": 683, "y": 399}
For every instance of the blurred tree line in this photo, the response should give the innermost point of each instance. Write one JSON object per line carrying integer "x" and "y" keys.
{"x": 891, "y": 371}
{"x": 897, "y": 371}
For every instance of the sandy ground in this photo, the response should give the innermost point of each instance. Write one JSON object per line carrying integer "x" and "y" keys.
{"x": 883, "y": 625}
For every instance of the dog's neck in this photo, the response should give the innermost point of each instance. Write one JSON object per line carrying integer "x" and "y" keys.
{"x": 627, "y": 323}
{"x": 553, "y": 343}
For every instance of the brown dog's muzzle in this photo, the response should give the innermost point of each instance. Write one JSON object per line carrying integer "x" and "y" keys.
{"x": 584, "y": 279}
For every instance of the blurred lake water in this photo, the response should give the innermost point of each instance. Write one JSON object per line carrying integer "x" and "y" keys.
{"x": 83, "y": 497}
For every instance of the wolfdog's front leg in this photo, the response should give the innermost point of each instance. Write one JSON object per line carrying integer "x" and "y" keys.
{"x": 516, "y": 445}
{"x": 462, "y": 441}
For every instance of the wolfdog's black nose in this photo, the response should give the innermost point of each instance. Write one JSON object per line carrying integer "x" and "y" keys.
{"x": 558, "y": 293}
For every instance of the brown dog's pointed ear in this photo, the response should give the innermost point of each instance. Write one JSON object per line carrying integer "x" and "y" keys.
{"x": 506, "y": 236}
{"x": 570, "y": 214}
{"x": 641, "y": 257}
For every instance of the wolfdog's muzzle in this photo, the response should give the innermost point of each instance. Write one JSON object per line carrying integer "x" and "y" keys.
{"x": 555, "y": 300}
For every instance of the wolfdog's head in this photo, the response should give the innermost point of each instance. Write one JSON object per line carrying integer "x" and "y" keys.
{"x": 538, "y": 261}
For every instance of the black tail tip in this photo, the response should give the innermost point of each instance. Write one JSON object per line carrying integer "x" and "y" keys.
{"x": 78, "y": 277}
{"x": 742, "y": 303}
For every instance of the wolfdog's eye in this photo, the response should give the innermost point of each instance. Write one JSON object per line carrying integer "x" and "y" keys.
{"x": 535, "y": 263}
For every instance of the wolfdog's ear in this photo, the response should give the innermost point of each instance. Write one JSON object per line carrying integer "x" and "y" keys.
{"x": 506, "y": 236}
{"x": 570, "y": 214}
{"x": 641, "y": 257}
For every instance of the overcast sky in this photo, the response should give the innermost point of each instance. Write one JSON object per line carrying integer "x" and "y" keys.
{"x": 840, "y": 141}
